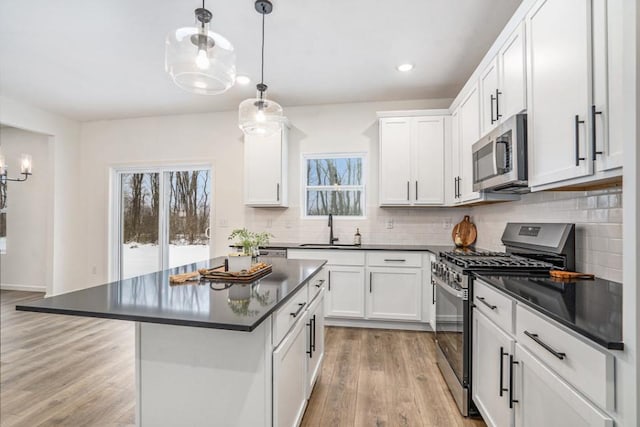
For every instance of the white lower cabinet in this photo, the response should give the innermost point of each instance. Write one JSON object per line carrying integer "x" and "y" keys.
{"x": 394, "y": 293}
{"x": 289, "y": 381}
{"x": 315, "y": 341}
{"x": 345, "y": 292}
{"x": 544, "y": 399}
{"x": 490, "y": 371}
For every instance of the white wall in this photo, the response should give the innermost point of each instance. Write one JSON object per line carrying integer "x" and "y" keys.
{"x": 24, "y": 264}
{"x": 215, "y": 138}
{"x": 65, "y": 219}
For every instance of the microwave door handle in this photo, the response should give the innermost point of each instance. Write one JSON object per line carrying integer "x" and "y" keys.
{"x": 504, "y": 166}
{"x": 494, "y": 143}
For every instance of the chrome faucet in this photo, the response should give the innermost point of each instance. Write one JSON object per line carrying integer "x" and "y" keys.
{"x": 332, "y": 239}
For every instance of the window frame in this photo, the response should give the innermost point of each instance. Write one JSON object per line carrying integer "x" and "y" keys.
{"x": 333, "y": 155}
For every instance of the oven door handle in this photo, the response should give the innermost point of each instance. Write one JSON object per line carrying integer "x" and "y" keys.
{"x": 450, "y": 290}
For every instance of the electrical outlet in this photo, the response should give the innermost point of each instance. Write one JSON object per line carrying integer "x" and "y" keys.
{"x": 447, "y": 224}
{"x": 288, "y": 224}
{"x": 94, "y": 270}
{"x": 389, "y": 223}
{"x": 269, "y": 223}
{"x": 224, "y": 223}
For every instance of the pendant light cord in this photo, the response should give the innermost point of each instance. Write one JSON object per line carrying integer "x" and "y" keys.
{"x": 262, "y": 63}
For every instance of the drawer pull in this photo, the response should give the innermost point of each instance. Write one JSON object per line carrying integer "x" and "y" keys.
{"x": 492, "y": 307}
{"x": 301, "y": 304}
{"x": 394, "y": 260}
{"x": 320, "y": 283}
{"x": 546, "y": 346}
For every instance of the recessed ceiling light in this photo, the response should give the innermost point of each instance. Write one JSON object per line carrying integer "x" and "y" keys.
{"x": 405, "y": 67}
{"x": 243, "y": 80}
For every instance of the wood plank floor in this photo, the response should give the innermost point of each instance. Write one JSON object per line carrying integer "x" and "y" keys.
{"x": 74, "y": 371}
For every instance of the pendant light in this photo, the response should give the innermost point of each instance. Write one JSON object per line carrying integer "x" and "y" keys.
{"x": 260, "y": 116}
{"x": 199, "y": 60}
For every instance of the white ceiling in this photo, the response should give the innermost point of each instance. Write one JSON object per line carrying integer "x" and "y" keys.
{"x": 101, "y": 59}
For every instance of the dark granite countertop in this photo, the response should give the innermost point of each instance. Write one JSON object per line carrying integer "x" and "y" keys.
{"x": 150, "y": 298}
{"x": 434, "y": 249}
{"x": 592, "y": 308}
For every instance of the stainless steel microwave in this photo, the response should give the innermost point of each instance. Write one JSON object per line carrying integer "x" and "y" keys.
{"x": 500, "y": 158}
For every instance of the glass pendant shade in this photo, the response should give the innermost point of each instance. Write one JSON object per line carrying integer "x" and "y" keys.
{"x": 200, "y": 61}
{"x": 260, "y": 116}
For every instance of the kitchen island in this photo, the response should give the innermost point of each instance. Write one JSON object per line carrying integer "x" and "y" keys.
{"x": 215, "y": 353}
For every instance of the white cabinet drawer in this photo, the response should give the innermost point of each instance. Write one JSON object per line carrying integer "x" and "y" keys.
{"x": 494, "y": 305}
{"x": 288, "y": 314}
{"x": 316, "y": 284}
{"x": 333, "y": 257}
{"x": 394, "y": 259}
{"x": 587, "y": 368}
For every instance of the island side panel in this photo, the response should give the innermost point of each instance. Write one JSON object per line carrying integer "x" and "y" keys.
{"x": 203, "y": 377}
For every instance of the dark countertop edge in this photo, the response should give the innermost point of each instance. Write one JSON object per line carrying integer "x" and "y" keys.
{"x": 610, "y": 345}
{"x": 434, "y": 249}
{"x": 174, "y": 321}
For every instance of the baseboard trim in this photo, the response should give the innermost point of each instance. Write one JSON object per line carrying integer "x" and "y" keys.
{"x": 377, "y": 324}
{"x": 26, "y": 288}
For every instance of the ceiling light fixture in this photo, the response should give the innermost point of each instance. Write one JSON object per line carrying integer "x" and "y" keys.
{"x": 405, "y": 67}
{"x": 243, "y": 80}
{"x": 259, "y": 116}
{"x": 26, "y": 166}
{"x": 199, "y": 60}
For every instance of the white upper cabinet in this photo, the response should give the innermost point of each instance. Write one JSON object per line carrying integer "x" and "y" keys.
{"x": 411, "y": 169}
{"x": 265, "y": 170}
{"x": 452, "y": 196}
{"x": 608, "y": 93}
{"x": 503, "y": 83}
{"x": 489, "y": 92}
{"x": 469, "y": 122}
{"x": 395, "y": 161}
{"x": 559, "y": 90}
{"x": 512, "y": 95}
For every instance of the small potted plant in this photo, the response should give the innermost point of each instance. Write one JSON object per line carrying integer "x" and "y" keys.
{"x": 249, "y": 242}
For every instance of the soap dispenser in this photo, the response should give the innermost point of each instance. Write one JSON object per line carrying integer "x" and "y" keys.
{"x": 357, "y": 238}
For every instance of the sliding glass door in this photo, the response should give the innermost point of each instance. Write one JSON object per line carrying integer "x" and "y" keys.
{"x": 162, "y": 220}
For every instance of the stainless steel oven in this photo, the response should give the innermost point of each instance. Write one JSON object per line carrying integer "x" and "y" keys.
{"x": 500, "y": 158}
{"x": 452, "y": 337}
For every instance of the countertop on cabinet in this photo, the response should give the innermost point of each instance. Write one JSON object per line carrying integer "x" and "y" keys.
{"x": 592, "y": 308}
{"x": 434, "y": 249}
{"x": 150, "y": 298}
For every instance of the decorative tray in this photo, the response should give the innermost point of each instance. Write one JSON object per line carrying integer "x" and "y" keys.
{"x": 218, "y": 274}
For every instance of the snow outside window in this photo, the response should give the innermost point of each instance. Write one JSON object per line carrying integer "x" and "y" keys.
{"x": 334, "y": 184}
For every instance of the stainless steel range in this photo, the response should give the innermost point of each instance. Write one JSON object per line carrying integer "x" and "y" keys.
{"x": 530, "y": 248}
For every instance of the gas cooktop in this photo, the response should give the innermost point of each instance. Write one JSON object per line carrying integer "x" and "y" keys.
{"x": 483, "y": 260}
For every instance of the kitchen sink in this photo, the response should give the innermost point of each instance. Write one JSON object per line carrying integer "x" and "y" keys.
{"x": 327, "y": 245}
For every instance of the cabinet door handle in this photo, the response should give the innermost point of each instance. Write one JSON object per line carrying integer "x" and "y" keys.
{"x": 301, "y": 306}
{"x": 577, "y": 123}
{"x": 433, "y": 292}
{"x": 594, "y": 148}
{"x": 370, "y": 280}
{"x": 492, "y": 307}
{"x": 544, "y": 345}
{"x": 416, "y": 190}
{"x": 502, "y": 354}
{"x": 310, "y": 351}
{"x": 408, "y": 183}
{"x": 492, "y": 99}
{"x": 498, "y": 115}
{"x": 511, "y": 364}
{"x": 329, "y": 280}
{"x": 313, "y": 334}
{"x": 278, "y": 192}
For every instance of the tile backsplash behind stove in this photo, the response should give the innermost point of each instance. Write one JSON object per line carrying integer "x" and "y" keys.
{"x": 597, "y": 215}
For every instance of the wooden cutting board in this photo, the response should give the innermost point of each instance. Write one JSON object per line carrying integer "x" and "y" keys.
{"x": 464, "y": 233}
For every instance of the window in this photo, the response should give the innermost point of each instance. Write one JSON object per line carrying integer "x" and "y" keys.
{"x": 334, "y": 184}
